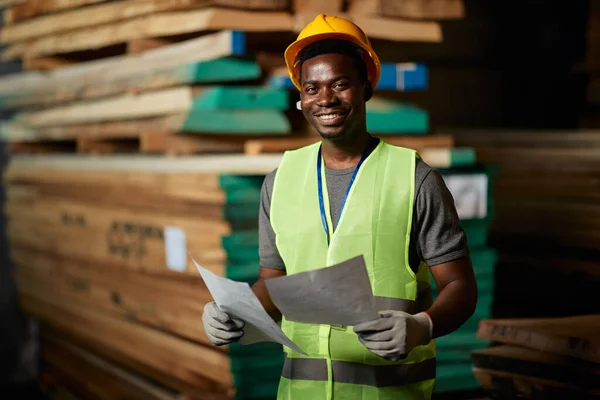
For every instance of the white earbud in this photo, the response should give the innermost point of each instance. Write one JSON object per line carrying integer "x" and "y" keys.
{"x": 298, "y": 105}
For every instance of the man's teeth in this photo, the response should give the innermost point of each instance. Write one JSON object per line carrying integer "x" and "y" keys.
{"x": 329, "y": 116}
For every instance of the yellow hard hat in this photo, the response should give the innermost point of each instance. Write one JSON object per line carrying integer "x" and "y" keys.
{"x": 331, "y": 27}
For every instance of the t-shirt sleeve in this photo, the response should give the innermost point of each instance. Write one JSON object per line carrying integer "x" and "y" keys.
{"x": 440, "y": 236}
{"x": 267, "y": 249}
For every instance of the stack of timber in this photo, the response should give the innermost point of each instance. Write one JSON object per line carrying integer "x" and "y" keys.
{"x": 471, "y": 187}
{"x": 153, "y": 76}
{"x": 101, "y": 253}
{"x": 551, "y": 358}
{"x": 547, "y": 219}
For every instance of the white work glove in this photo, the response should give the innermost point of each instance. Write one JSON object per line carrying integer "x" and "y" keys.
{"x": 395, "y": 333}
{"x": 219, "y": 327}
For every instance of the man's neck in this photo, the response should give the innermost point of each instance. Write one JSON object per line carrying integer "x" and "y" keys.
{"x": 340, "y": 154}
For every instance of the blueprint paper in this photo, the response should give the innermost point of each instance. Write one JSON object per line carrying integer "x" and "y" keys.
{"x": 336, "y": 295}
{"x": 238, "y": 300}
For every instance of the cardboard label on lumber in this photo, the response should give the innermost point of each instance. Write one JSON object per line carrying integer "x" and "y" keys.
{"x": 175, "y": 249}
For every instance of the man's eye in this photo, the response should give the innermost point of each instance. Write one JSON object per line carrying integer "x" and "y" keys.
{"x": 341, "y": 85}
{"x": 310, "y": 90}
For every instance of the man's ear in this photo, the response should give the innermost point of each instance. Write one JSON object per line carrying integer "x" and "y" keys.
{"x": 368, "y": 91}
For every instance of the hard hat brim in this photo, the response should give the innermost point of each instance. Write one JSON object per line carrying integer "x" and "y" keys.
{"x": 291, "y": 53}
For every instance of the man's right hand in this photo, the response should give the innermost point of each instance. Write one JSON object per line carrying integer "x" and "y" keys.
{"x": 219, "y": 327}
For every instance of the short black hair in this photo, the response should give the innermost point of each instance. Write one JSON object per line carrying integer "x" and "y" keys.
{"x": 337, "y": 46}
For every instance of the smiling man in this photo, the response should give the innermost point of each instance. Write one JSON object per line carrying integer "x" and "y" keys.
{"x": 352, "y": 194}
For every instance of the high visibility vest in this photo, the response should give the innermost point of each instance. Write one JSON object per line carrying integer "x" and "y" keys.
{"x": 375, "y": 223}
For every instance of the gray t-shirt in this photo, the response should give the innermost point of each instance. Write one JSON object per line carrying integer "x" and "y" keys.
{"x": 436, "y": 235}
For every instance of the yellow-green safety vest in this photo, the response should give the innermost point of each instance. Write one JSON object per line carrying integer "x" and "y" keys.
{"x": 375, "y": 223}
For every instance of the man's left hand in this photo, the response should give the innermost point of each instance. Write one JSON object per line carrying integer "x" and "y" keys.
{"x": 395, "y": 333}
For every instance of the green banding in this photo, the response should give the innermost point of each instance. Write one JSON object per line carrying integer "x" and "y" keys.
{"x": 243, "y": 197}
{"x": 237, "y": 240}
{"x": 455, "y": 377}
{"x": 229, "y": 182}
{"x": 464, "y": 156}
{"x": 259, "y": 122}
{"x": 242, "y": 272}
{"x": 477, "y": 231}
{"x": 396, "y": 118}
{"x": 221, "y": 70}
{"x": 241, "y": 98}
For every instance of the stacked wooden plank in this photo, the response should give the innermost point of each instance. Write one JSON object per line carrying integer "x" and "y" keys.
{"x": 102, "y": 258}
{"x": 541, "y": 358}
{"x": 471, "y": 187}
{"x": 547, "y": 218}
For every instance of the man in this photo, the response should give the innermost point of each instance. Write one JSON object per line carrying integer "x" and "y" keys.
{"x": 350, "y": 195}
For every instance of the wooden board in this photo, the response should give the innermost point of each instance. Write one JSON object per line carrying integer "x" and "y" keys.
{"x": 263, "y": 146}
{"x": 384, "y": 28}
{"x": 423, "y": 9}
{"x": 564, "y": 372}
{"x": 392, "y": 117}
{"x": 237, "y": 164}
{"x": 91, "y": 16}
{"x": 31, "y": 8}
{"x": 432, "y": 149}
{"x": 154, "y": 25}
{"x": 9, "y": 3}
{"x": 196, "y": 365}
{"x": 509, "y": 385}
{"x": 121, "y": 238}
{"x": 156, "y": 303}
{"x": 226, "y": 110}
{"x": 569, "y": 336}
{"x": 108, "y": 76}
{"x": 94, "y": 377}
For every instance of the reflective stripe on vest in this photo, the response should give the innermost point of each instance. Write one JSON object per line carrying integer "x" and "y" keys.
{"x": 315, "y": 369}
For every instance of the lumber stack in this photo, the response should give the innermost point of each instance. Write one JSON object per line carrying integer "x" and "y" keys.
{"x": 471, "y": 187}
{"x": 103, "y": 258}
{"x": 102, "y": 222}
{"x": 546, "y": 225}
{"x": 552, "y": 358}
{"x": 172, "y": 77}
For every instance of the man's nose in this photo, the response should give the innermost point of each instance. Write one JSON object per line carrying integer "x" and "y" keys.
{"x": 326, "y": 97}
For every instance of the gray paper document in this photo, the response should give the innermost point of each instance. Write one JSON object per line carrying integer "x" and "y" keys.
{"x": 238, "y": 300}
{"x": 336, "y": 295}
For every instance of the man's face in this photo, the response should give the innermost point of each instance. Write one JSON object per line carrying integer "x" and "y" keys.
{"x": 332, "y": 95}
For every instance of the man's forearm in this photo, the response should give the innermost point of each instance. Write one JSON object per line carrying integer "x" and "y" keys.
{"x": 457, "y": 297}
{"x": 261, "y": 292}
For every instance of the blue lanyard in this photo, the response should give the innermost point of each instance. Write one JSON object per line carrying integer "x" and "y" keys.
{"x": 320, "y": 188}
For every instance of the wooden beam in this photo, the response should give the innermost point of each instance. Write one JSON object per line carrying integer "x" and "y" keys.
{"x": 87, "y": 17}
{"x": 164, "y": 67}
{"x": 96, "y": 375}
{"x": 32, "y": 8}
{"x": 423, "y": 9}
{"x": 237, "y": 164}
{"x": 149, "y": 26}
{"x": 9, "y": 3}
{"x": 195, "y": 363}
{"x": 263, "y": 146}
{"x": 385, "y": 28}
{"x": 569, "y": 336}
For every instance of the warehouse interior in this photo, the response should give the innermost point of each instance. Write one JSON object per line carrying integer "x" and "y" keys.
{"x": 135, "y": 131}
